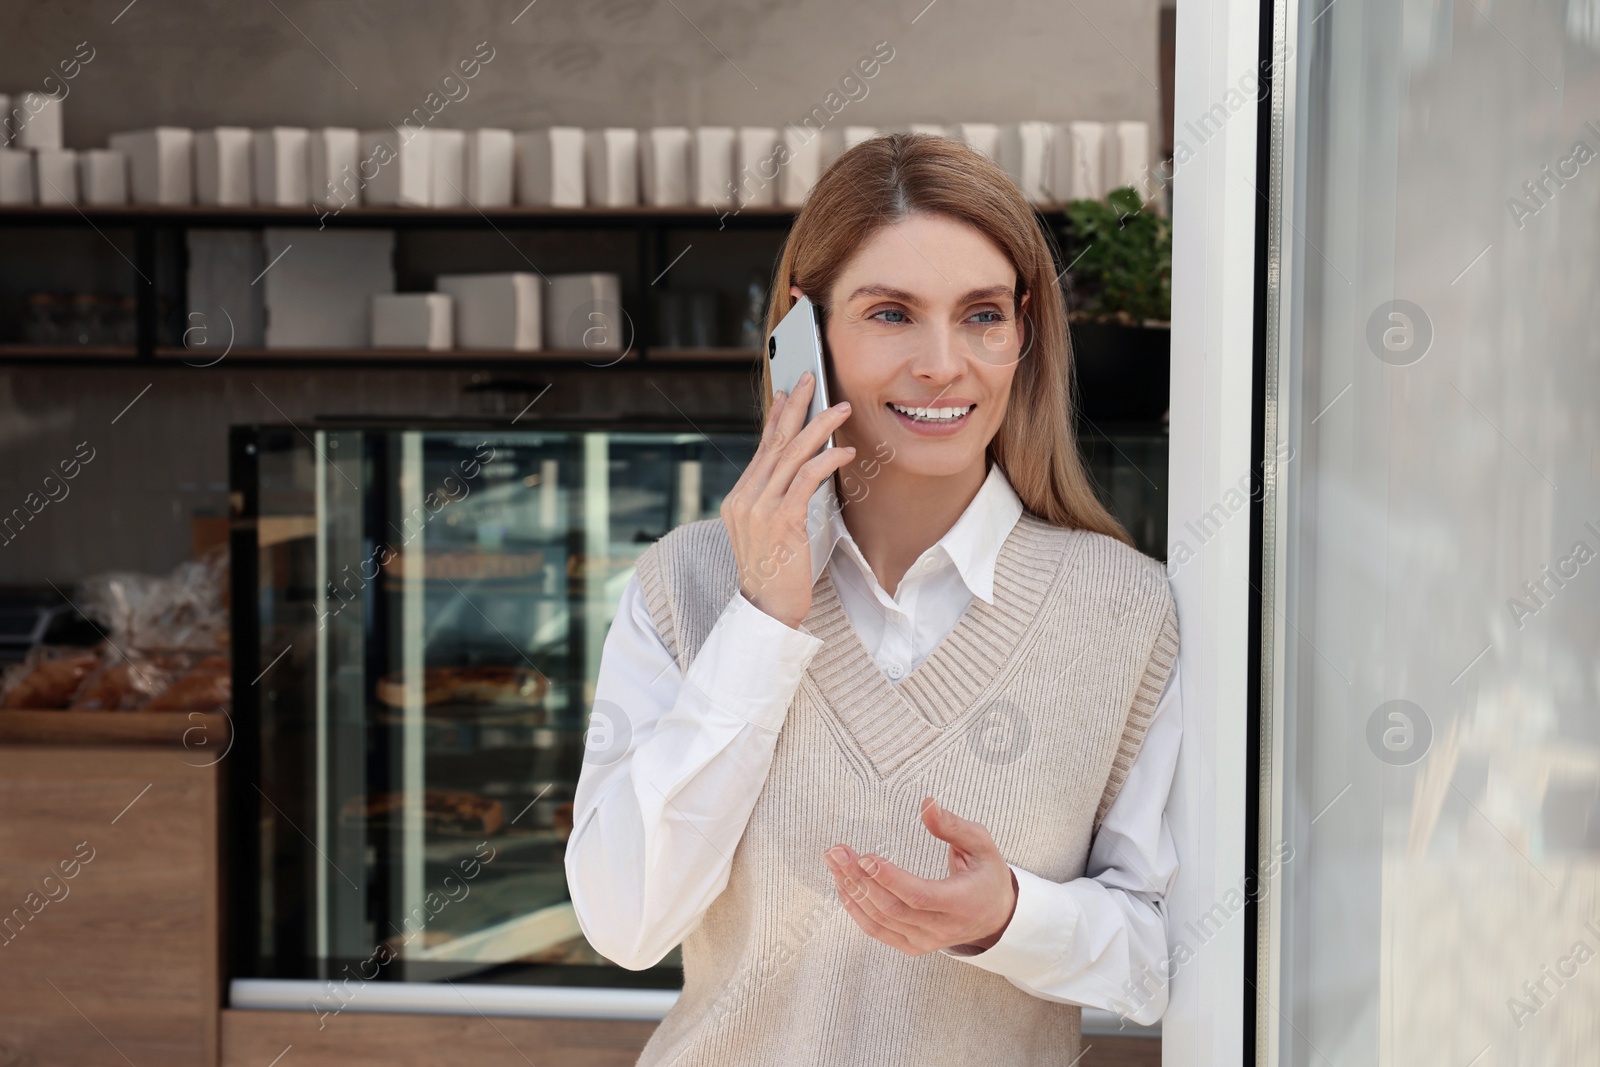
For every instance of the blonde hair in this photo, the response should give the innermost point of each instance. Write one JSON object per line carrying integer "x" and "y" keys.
{"x": 886, "y": 179}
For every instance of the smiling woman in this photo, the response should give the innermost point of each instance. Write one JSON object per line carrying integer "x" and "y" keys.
{"x": 969, "y": 626}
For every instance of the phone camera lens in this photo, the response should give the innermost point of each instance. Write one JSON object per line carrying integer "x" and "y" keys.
{"x": 772, "y": 348}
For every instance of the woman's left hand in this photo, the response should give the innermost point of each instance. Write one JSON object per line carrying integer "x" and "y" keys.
{"x": 970, "y": 908}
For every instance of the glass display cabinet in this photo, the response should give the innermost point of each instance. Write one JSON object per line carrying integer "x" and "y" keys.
{"x": 419, "y": 613}
{"x": 424, "y": 610}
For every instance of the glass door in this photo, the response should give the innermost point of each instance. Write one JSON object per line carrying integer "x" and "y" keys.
{"x": 1429, "y": 811}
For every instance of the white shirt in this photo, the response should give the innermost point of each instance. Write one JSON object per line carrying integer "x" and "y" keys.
{"x": 656, "y": 825}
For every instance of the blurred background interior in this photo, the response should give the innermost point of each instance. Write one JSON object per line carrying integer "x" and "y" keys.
{"x": 349, "y": 357}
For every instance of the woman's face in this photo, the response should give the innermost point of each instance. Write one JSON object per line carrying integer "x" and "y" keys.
{"x": 923, "y": 318}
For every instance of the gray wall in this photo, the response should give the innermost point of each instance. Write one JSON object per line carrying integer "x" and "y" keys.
{"x": 367, "y": 64}
{"x": 621, "y": 62}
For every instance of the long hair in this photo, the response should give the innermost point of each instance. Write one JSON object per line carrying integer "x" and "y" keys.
{"x": 888, "y": 178}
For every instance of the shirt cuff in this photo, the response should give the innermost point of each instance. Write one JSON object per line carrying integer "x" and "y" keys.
{"x": 751, "y": 664}
{"x": 1039, "y": 934}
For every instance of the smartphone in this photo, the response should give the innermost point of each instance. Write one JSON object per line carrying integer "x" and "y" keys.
{"x": 796, "y": 347}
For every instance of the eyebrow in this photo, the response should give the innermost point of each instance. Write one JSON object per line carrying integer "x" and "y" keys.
{"x": 889, "y": 292}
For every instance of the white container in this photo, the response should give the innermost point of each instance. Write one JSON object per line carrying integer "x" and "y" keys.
{"x": 320, "y": 284}
{"x": 16, "y": 176}
{"x": 757, "y": 165}
{"x": 611, "y": 160}
{"x": 489, "y": 167}
{"x": 664, "y": 165}
{"x": 447, "y": 150}
{"x": 225, "y": 310}
{"x": 333, "y": 167}
{"x": 55, "y": 172}
{"x": 1127, "y": 159}
{"x": 839, "y": 141}
{"x": 550, "y": 166}
{"x": 1077, "y": 167}
{"x": 280, "y": 166}
{"x": 412, "y": 320}
{"x": 981, "y": 137}
{"x": 102, "y": 177}
{"x": 40, "y": 121}
{"x": 933, "y": 128}
{"x": 585, "y": 311}
{"x": 1025, "y": 156}
{"x": 803, "y": 152}
{"x": 160, "y": 164}
{"x": 223, "y": 169}
{"x": 404, "y": 168}
{"x": 711, "y": 162}
{"x": 498, "y": 311}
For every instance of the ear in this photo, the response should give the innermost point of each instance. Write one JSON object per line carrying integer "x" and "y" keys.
{"x": 796, "y": 292}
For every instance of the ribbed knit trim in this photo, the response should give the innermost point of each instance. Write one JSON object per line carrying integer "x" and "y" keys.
{"x": 892, "y": 724}
{"x": 1163, "y": 656}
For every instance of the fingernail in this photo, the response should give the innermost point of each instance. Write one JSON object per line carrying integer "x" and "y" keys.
{"x": 869, "y": 865}
{"x": 843, "y": 405}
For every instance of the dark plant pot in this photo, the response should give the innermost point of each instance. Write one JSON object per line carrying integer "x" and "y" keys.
{"x": 1124, "y": 373}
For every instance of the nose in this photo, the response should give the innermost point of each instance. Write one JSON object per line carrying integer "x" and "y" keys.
{"x": 941, "y": 356}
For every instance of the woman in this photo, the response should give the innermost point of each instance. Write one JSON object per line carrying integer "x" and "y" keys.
{"x": 909, "y": 827}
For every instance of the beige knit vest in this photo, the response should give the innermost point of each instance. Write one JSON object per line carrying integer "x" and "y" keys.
{"x": 1025, "y": 718}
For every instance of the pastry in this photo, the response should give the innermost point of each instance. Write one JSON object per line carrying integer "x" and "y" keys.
{"x": 517, "y": 687}
{"x": 444, "y": 811}
{"x": 208, "y": 687}
{"x": 51, "y": 681}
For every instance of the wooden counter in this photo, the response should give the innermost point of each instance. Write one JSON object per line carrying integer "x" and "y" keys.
{"x": 109, "y": 888}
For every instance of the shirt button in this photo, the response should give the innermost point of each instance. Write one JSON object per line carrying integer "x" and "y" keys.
{"x": 896, "y": 670}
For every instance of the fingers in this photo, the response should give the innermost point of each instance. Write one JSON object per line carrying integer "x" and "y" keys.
{"x": 892, "y": 897}
{"x": 789, "y": 440}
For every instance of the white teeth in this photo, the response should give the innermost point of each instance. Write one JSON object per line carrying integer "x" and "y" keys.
{"x": 933, "y": 414}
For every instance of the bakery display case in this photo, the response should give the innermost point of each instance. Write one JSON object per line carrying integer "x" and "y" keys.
{"x": 419, "y": 617}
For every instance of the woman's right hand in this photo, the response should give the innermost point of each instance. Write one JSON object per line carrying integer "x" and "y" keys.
{"x": 765, "y": 512}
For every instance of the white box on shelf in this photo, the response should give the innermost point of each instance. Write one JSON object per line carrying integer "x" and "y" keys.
{"x": 404, "y": 168}
{"x": 500, "y": 311}
{"x": 160, "y": 164}
{"x": 980, "y": 136}
{"x": 611, "y": 159}
{"x": 804, "y": 149}
{"x": 756, "y": 177}
{"x": 1025, "y": 156}
{"x": 320, "y": 284}
{"x": 934, "y": 128}
{"x": 447, "y": 150}
{"x": 412, "y": 320}
{"x": 102, "y": 177}
{"x": 1077, "y": 166}
{"x": 711, "y": 163}
{"x": 16, "y": 176}
{"x": 585, "y": 311}
{"x": 226, "y": 310}
{"x": 664, "y": 165}
{"x": 1127, "y": 155}
{"x": 489, "y": 167}
{"x": 333, "y": 167}
{"x": 550, "y": 166}
{"x": 836, "y": 142}
{"x": 223, "y": 167}
{"x": 55, "y": 173}
{"x": 35, "y": 121}
{"x": 280, "y": 166}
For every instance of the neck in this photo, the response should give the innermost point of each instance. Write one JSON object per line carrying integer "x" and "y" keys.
{"x": 900, "y": 515}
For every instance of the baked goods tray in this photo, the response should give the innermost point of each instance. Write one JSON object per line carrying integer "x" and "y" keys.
{"x": 200, "y": 731}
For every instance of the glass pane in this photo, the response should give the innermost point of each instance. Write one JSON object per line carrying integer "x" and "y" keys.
{"x": 422, "y": 738}
{"x": 1434, "y": 796}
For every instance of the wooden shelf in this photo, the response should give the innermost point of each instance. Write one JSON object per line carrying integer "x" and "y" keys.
{"x": 199, "y": 357}
{"x": 170, "y": 728}
{"x": 67, "y": 352}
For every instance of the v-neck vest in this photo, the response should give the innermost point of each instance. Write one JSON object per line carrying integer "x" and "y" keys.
{"x": 1025, "y": 718}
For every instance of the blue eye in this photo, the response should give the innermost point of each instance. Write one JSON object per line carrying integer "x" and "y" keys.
{"x": 1000, "y": 316}
{"x": 888, "y": 311}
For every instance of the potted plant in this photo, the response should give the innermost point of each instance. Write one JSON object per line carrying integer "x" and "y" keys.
{"x": 1119, "y": 306}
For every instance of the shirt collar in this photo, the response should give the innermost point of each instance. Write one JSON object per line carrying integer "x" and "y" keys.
{"x": 972, "y": 544}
